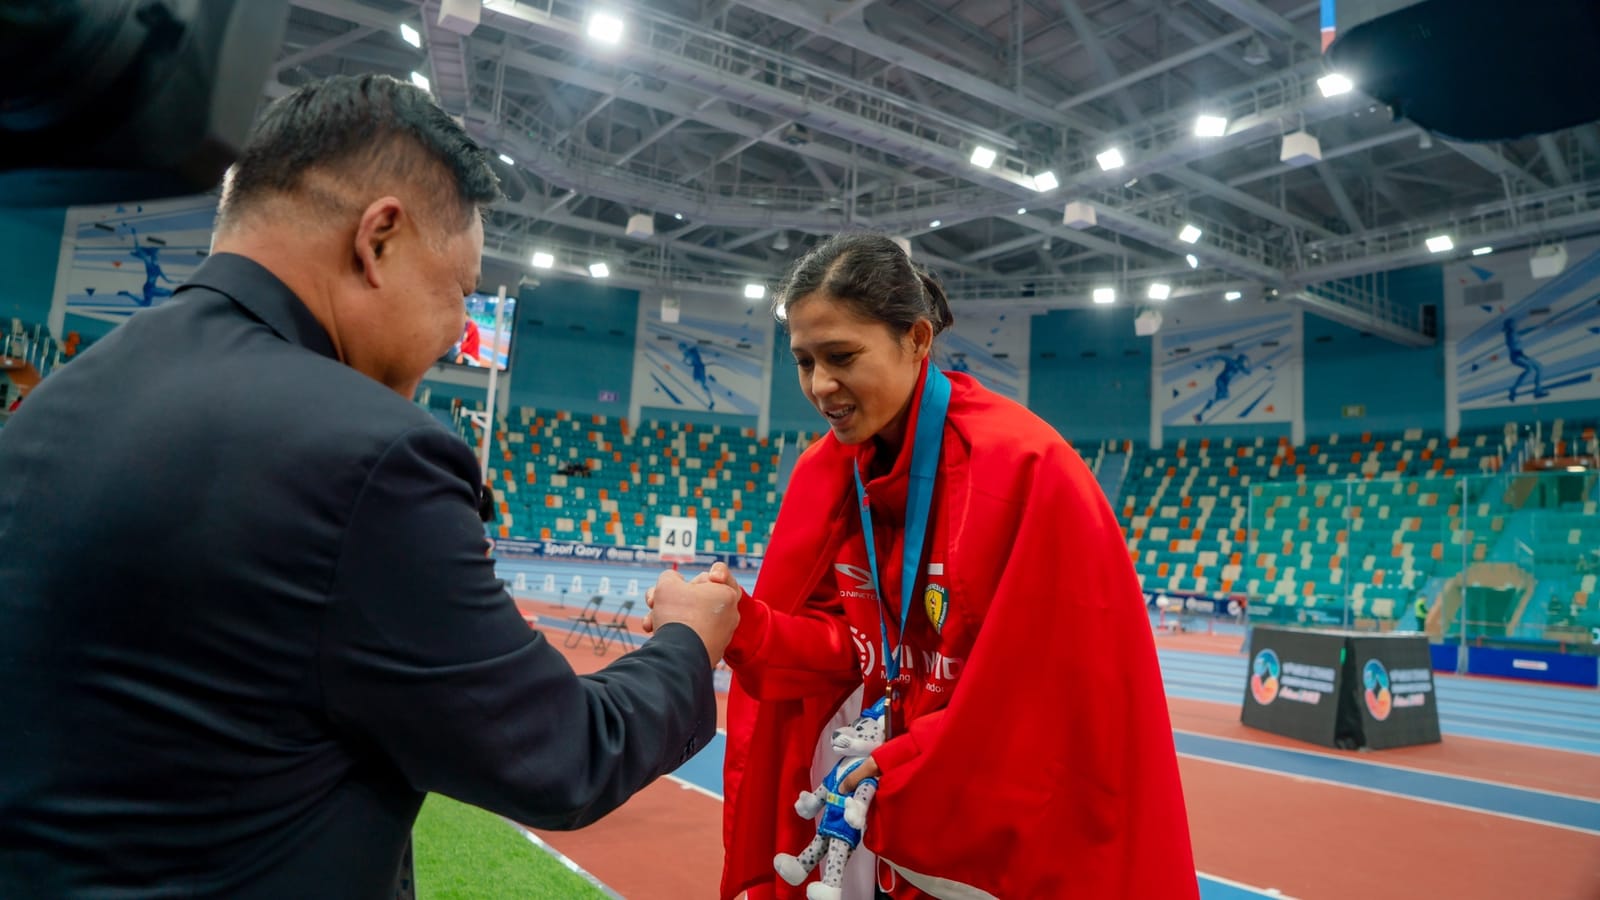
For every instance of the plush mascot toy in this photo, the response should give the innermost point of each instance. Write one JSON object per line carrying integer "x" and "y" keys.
{"x": 839, "y": 829}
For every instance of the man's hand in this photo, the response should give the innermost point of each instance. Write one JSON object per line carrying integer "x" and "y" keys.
{"x": 710, "y": 607}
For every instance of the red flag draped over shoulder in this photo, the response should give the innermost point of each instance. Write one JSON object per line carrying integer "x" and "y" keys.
{"x": 1051, "y": 773}
{"x": 767, "y": 757}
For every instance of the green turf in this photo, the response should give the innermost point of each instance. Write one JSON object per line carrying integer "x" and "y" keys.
{"x": 464, "y": 852}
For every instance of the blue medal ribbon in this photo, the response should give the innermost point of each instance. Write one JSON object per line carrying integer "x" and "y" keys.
{"x": 925, "y": 448}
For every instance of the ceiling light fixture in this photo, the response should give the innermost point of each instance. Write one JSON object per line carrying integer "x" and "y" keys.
{"x": 1333, "y": 84}
{"x": 1255, "y": 51}
{"x": 1211, "y": 126}
{"x": 605, "y": 28}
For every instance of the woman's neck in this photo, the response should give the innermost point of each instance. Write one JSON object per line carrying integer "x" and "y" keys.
{"x": 887, "y": 443}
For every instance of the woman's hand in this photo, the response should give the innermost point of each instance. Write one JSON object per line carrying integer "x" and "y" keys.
{"x": 719, "y": 573}
{"x": 868, "y": 769}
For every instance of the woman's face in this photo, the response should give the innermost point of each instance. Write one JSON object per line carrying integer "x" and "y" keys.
{"x": 855, "y": 370}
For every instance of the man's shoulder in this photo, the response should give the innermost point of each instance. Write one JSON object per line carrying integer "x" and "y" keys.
{"x": 327, "y": 396}
{"x": 244, "y": 377}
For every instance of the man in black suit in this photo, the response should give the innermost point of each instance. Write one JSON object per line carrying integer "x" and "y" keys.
{"x": 246, "y": 620}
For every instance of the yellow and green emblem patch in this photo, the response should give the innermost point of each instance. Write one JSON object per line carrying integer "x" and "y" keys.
{"x": 936, "y": 601}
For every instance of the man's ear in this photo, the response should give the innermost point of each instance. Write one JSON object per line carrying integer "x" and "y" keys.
{"x": 380, "y": 223}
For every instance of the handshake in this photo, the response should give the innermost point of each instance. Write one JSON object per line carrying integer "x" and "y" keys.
{"x": 709, "y": 604}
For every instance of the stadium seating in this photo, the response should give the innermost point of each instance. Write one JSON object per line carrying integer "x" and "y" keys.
{"x": 596, "y": 479}
{"x": 1366, "y": 521}
{"x": 28, "y": 352}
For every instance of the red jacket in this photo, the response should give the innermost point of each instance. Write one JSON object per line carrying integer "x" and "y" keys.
{"x": 1039, "y": 760}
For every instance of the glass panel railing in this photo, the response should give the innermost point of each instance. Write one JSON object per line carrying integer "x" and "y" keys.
{"x": 1505, "y": 560}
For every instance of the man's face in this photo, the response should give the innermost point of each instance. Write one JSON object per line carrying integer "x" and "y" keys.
{"x": 395, "y": 332}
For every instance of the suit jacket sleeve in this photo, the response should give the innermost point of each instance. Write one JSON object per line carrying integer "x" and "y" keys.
{"x": 425, "y": 657}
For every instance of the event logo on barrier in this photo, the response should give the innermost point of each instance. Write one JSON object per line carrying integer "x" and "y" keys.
{"x": 1390, "y": 702}
{"x": 1375, "y": 678}
{"x": 1264, "y": 674}
{"x": 1341, "y": 689}
{"x": 1411, "y": 687}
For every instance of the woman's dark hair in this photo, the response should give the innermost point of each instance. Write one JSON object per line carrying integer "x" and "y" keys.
{"x": 363, "y": 128}
{"x": 874, "y": 276}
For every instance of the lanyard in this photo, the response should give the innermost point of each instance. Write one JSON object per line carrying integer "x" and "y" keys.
{"x": 919, "y": 498}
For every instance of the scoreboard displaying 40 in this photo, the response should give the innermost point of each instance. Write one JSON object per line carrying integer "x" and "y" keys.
{"x": 677, "y": 539}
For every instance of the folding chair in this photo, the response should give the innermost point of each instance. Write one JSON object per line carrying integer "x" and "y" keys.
{"x": 585, "y": 622}
{"x": 614, "y": 629}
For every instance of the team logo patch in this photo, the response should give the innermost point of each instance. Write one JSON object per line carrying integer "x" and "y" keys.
{"x": 861, "y": 577}
{"x": 936, "y": 600}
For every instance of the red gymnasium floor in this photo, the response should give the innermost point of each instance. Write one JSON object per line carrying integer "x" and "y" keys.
{"x": 1298, "y": 836}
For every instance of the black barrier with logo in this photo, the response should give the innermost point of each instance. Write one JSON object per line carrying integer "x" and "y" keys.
{"x": 1341, "y": 689}
{"x": 1292, "y": 684}
{"x": 1390, "y": 683}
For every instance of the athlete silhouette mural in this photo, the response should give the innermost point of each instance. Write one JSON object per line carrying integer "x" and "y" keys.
{"x": 1521, "y": 360}
{"x": 697, "y": 371}
{"x": 151, "y": 257}
{"x": 1232, "y": 366}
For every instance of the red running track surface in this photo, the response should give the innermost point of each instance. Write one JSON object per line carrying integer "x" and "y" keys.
{"x": 1306, "y": 838}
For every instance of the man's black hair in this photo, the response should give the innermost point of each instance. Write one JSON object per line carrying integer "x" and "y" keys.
{"x": 362, "y": 126}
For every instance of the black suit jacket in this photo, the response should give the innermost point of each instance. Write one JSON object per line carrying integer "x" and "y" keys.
{"x": 246, "y": 621}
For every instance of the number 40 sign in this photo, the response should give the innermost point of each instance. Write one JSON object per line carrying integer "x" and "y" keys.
{"x": 677, "y": 539}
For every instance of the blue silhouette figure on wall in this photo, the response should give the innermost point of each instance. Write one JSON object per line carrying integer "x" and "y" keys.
{"x": 151, "y": 257}
{"x": 697, "y": 370}
{"x": 1522, "y": 361}
{"x": 1231, "y": 366}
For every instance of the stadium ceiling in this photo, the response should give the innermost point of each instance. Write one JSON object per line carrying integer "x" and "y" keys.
{"x": 748, "y": 128}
